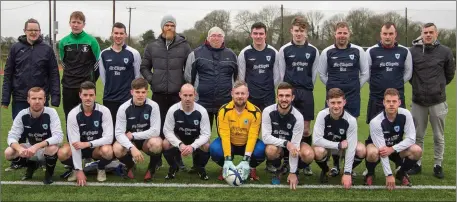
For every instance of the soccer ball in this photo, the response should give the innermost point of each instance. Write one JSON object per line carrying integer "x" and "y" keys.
{"x": 233, "y": 178}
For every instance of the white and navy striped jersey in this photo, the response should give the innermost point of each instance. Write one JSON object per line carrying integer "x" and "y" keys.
{"x": 391, "y": 134}
{"x": 277, "y": 128}
{"x": 96, "y": 128}
{"x": 340, "y": 68}
{"x": 298, "y": 65}
{"x": 389, "y": 68}
{"x": 190, "y": 128}
{"x": 142, "y": 121}
{"x": 46, "y": 127}
{"x": 328, "y": 133}
{"x": 260, "y": 71}
{"x": 117, "y": 71}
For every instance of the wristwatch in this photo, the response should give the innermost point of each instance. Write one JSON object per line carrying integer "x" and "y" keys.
{"x": 285, "y": 144}
{"x": 347, "y": 173}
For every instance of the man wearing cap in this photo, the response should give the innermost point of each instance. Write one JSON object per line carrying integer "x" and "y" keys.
{"x": 163, "y": 65}
{"x": 212, "y": 68}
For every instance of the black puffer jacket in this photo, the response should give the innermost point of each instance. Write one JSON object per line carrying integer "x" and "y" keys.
{"x": 433, "y": 69}
{"x": 30, "y": 66}
{"x": 163, "y": 67}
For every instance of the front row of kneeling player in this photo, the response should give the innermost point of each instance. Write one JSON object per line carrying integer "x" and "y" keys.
{"x": 187, "y": 131}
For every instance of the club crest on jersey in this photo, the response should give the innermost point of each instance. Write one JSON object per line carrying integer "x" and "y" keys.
{"x": 351, "y": 56}
{"x": 146, "y": 116}
{"x": 126, "y": 60}
{"x": 307, "y": 55}
{"x": 397, "y": 55}
{"x": 196, "y": 122}
{"x": 246, "y": 121}
{"x": 341, "y": 131}
{"x": 96, "y": 123}
{"x": 45, "y": 126}
{"x": 397, "y": 128}
{"x": 268, "y": 58}
{"x": 85, "y": 49}
{"x": 289, "y": 126}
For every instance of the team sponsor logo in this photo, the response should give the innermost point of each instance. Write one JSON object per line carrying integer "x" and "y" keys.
{"x": 289, "y": 126}
{"x": 268, "y": 58}
{"x": 291, "y": 56}
{"x": 126, "y": 60}
{"x": 341, "y": 131}
{"x": 96, "y": 123}
{"x": 379, "y": 56}
{"x": 307, "y": 55}
{"x": 68, "y": 49}
{"x": 251, "y": 59}
{"x": 351, "y": 56}
{"x": 196, "y": 122}
{"x": 397, "y": 55}
{"x": 45, "y": 126}
{"x": 246, "y": 121}
{"x": 329, "y": 126}
{"x": 180, "y": 121}
{"x": 146, "y": 116}
{"x": 109, "y": 60}
{"x": 334, "y": 58}
{"x": 397, "y": 128}
{"x": 275, "y": 123}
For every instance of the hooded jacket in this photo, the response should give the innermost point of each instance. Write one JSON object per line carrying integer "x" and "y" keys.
{"x": 30, "y": 66}
{"x": 433, "y": 69}
{"x": 163, "y": 65}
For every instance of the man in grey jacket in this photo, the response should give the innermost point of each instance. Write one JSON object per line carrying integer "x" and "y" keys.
{"x": 163, "y": 67}
{"x": 433, "y": 69}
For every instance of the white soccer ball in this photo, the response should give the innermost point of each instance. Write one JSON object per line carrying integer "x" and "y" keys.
{"x": 233, "y": 178}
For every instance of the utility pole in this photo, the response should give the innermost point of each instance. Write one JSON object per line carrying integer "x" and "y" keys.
{"x": 406, "y": 26}
{"x": 50, "y": 25}
{"x": 56, "y": 28}
{"x": 114, "y": 11}
{"x": 130, "y": 22}
{"x": 282, "y": 25}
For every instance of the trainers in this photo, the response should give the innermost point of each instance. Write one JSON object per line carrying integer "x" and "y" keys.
{"x": 307, "y": 171}
{"x": 438, "y": 172}
{"x": 29, "y": 173}
{"x": 416, "y": 169}
{"x": 253, "y": 175}
{"x": 130, "y": 174}
{"x": 101, "y": 175}
{"x": 72, "y": 176}
{"x": 334, "y": 172}
{"x": 192, "y": 170}
{"x": 202, "y": 174}
{"x": 13, "y": 166}
{"x": 285, "y": 168}
{"x": 270, "y": 168}
{"x": 159, "y": 164}
{"x": 171, "y": 173}
{"x": 181, "y": 166}
{"x": 47, "y": 179}
{"x": 403, "y": 178}
{"x": 275, "y": 180}
{"x": 368, "y": 180}
{"x": 365, "y": 172}
{"x": 323, "y": 178}
{"x": 148, "y": 176}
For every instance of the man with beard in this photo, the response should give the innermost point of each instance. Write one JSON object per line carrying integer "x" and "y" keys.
{"x": 282, "y": 131}
{"x": 344, "y": 65}
{"x": 187, "y": 131}
{"x": 336, "y": 130}
{"x": 41, "y": 126}
{"x": 119, "y": 65}
{"x": 163, "y": 67}
{"x": 238, "y": 125}
{"x": 30, "y": 63}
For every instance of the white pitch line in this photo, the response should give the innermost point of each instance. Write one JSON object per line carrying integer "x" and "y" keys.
{"x": 110, "y": 184}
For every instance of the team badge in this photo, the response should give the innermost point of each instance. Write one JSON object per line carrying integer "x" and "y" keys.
{"x": 126, "y": 60}
{"x": 341, "y": 131}
{"x": 351, "y": 56}
{"x": 289, "y": 126}
{"x": 246, "y": 121}
{"x": 96, "y": 123}
{"x": 307, "y": 55}
{"x": 196, "y": 122}
{"x": 268, "y": 58}
{"x": 397, "y": 128}
{"x": 85, "y": 49}
{"x": 397, "y": 55}
{"x": 45, "y": 126}
{"x": 146, "y": 116}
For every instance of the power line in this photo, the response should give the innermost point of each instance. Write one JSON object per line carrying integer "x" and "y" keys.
{"x": 7, "y": 9}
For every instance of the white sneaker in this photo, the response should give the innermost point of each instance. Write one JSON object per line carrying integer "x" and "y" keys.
{"x": 101, "y": 175}
{"x": 72, "y": 176}
{"x": 365, "y": 172}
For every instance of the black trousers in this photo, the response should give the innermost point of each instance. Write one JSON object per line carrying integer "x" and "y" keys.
{"x": 165, "y": 101}
{"x": 70, "y": 99}
{"x": 113, "y": 106}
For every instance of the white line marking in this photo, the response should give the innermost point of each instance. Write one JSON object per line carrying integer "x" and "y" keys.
{"x": 109, "y": 184}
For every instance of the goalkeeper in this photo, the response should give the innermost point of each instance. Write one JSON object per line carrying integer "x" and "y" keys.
{"x": 238, "y": 125}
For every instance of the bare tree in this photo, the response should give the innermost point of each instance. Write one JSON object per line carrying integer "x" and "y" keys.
{"x": 314, "y": 19}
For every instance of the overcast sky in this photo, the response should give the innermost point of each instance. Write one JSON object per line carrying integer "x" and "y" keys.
{"x": 148, "y": 15}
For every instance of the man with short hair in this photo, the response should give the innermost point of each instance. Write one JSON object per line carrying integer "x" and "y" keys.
{"x": 282, "y": 131}
{"x": 298, "y": 63}
{"x": 137, "y": 128}
{"x": 119, "y": 65}
{"x": 79, "y": 53}
{"x": 30, "y": 63}
{"x": 90, "y": 135}
{"x": 238, "y": 124}
{"x": 163, "y": 66}
{"x": 41, "y": 126}
{"x": 433, "y": 69}
{"x": 335, "y": 129}
{"x": 187, "y": 131}
{"x": 392, "y": 137}
{"x": 344, "y": 65}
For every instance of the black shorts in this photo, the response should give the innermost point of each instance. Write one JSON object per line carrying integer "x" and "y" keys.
{"x": 375, "y": 106}
{"x": 87, "y": 152}
{"x": 261, "y": 104}
{"x": 304, "y": 102}
{"x": 139, "y": 144}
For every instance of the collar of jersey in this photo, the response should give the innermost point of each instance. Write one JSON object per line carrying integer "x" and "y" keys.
{"x": 249, "y": 106}
{"x": 82, "y": 108}
{"x": 123, "y": 47}
{"x": 131, "y": 101}
{"x": 382, "y": 45}
{"x": 348, "y": 46}
{"x": 290, "y": 110}
{"x": 306, "y": 43}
